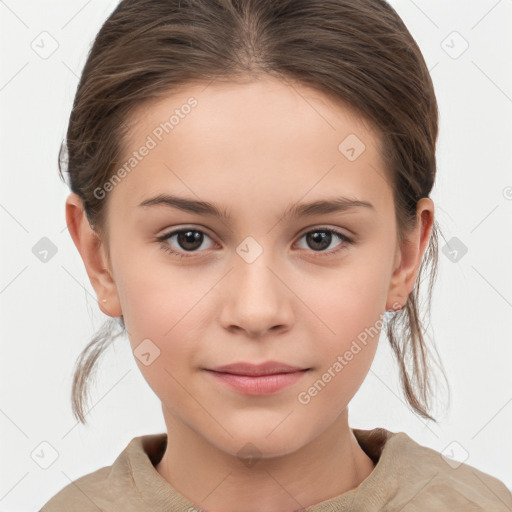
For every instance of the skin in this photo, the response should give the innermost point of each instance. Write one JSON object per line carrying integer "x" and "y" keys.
{"x": 253, "y": 148}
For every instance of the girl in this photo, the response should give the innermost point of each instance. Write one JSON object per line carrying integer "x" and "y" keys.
{"x": 250, "y": 197}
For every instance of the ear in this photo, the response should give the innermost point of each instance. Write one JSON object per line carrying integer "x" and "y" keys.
{"x": 409, "y": 256}
{"x": 92, "y": 251}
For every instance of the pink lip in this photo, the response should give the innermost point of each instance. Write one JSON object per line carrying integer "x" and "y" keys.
{"x": 263, "y": 379}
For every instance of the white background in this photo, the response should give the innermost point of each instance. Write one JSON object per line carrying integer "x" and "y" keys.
{"x": 49, "y": 310}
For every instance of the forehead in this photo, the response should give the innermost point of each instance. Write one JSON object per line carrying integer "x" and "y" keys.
{"x": 262, "y": 105}
{"x": 262, "y": 138}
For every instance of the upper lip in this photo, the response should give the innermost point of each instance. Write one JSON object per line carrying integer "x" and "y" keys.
{"x": 266, "y": 368}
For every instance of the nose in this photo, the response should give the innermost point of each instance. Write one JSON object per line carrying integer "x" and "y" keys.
{"x": 256, "y": 299}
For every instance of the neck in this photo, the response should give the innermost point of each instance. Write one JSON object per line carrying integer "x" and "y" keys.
{"x": 216, "y": 480}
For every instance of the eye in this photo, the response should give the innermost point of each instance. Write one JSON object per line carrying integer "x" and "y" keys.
{"x": 321, "y": 238}
{"x": 188, "y": 239}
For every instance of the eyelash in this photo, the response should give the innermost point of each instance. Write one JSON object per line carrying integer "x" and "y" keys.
{"x": 165, "y": 246}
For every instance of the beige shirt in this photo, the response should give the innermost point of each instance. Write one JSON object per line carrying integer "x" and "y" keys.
{"x": 407, "y": 477}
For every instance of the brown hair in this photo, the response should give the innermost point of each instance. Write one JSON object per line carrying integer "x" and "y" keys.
{"x": 360, "y": 53}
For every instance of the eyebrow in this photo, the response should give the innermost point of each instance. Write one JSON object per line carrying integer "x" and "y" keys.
{"x": 295, "y": 210}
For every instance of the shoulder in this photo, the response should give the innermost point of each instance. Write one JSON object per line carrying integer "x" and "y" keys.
{"x": 120, "y": 482}
{"x": 87, "y": 494}
{"x": 424, "y": 479}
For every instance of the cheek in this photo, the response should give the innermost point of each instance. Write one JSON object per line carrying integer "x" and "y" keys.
{"x": 347, "y": 322}
{"x": 329, "y": 390}
{"x": 158, "y": 299}
{"x": 162, "y": 314}
{"x": 164, "y": 340}
{"x": 347, "y": 301}
{"x": 344, "y": 360}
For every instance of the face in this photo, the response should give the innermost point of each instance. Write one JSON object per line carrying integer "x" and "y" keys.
{"x": 199, "y": 290}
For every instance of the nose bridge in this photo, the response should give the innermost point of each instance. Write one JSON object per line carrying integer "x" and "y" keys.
{"x": 257, "y": 299}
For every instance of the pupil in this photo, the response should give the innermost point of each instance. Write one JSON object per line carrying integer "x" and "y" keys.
{"x": 320, "y": 239}
{"x": 190, "y": 237}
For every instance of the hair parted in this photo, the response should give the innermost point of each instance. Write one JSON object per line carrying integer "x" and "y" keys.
{"x": 358, "y": 53}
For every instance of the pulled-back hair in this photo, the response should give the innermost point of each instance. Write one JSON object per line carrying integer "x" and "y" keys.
{"x": 358, "y": 52}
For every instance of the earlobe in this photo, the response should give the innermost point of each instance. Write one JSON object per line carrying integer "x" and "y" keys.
{"x": 92, "y": 252}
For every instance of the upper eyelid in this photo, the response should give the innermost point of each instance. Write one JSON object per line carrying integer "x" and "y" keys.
{"x": 175, "y": 231}
{"x": 325, "y": 227}
{"x": 317, "y": 227}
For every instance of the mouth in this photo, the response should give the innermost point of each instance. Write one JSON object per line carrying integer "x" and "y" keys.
{"x": 264, "y": 379}
{"x": 258, "y": 370}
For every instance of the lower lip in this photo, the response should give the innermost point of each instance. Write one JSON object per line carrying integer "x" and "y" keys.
{"x": 261, "y": 385}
